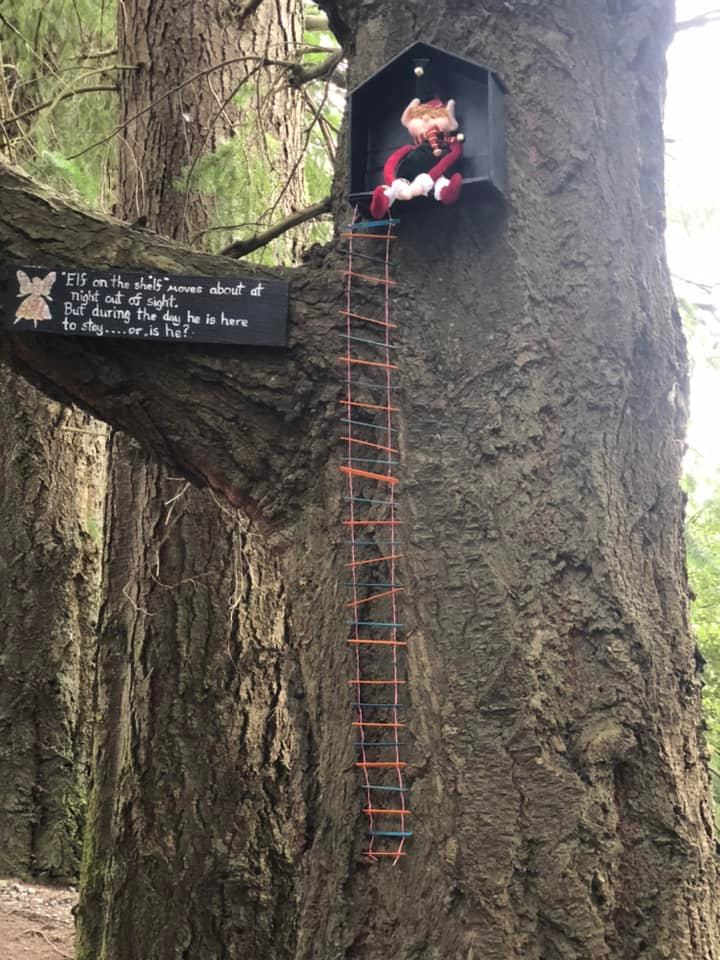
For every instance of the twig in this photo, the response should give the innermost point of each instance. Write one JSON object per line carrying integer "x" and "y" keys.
{"x": 63, "y": 96}
{"x": 705, "y": 287}
{"x": 39, "y": 933}
{"x": 712, "y": 16}
{"x": 262, "y": 61}
{"x": 302, "y": 154}
{"x": 98, "y": 55}
{"x": 239, "y": 248}
{"x": 317, "y": 71}
{"x": 210, "y": 130}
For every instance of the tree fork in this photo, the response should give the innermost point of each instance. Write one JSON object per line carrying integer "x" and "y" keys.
{"x": 145, "y": 391}
{"x": 559, "y": 785}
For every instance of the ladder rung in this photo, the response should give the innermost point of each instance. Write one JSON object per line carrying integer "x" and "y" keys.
{"x": 376, "y": 683}
{"x": 375, "y": 596}
{"x": 389, "y": 833}
{"x": 384, "y": 706}
{"x": 380, "y": 763}
{"x": 364, "y": 723}
{"x": 391, "y": 813}
{"x": 362, "y": 563}
{"x": 371, "y": 406}
{"x": 369, "y": 443}
{"x": 372, "y": 236}
{"x": 361, "y": 316}
{"x": 373, "y": 343}
{"x": 381, "y": 789}
{"x": 367, "y": 363}
{"x": 373, "y": 623}
{"x": 372, "y": 523}
{"x": 379, "y": 643}
{"x": 354, "y": 472}
{"x": 361, "y": 224}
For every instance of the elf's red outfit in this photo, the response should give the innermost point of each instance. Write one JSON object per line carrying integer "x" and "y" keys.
{"x": 415, "y": 169}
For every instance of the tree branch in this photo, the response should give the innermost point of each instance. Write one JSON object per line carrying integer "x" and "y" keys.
{"x": 300, "y": 74}
{"x": 712, "y": 16}
{"x": 231, "y": 417}
{"x": 55, "y": 100}
{"x": 316, "y": 21}
{"x": 240, "y": 248}
{"x": 260, "y": 61}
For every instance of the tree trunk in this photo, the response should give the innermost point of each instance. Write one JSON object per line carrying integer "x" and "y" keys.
{"x": 196, "y": 579}
{"x": 167, "y": 132}
{"x": 51, "y": 518}
{"x": 559, "y": 786}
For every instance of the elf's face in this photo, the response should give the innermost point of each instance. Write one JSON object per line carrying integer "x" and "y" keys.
{"x": 423, "y": 118}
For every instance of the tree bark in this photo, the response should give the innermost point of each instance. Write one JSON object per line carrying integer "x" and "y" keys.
{"x": 187, "y": 573}
{"x": 51, "y": 518}
{"x": 559, "y": 781}
{"x": 166, "y": 133}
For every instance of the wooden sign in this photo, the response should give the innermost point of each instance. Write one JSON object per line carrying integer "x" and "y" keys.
{"x": 145, "y": 306}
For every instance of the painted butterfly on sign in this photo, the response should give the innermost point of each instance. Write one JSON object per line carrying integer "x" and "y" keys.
{"x": 36, "y": 293}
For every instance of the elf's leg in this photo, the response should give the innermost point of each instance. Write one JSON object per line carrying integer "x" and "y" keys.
{"x": 447, "y": 191}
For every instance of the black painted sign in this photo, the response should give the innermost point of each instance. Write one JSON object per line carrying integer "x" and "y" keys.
{"x": 145, "y": 306}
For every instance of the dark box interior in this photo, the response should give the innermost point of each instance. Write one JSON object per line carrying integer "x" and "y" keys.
{"x": 377, "y": 105}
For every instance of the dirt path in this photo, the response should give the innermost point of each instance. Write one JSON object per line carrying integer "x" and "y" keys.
{"x": 36, "y": 922}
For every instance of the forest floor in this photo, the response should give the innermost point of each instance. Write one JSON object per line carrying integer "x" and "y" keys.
{"x": 36, "y": 923}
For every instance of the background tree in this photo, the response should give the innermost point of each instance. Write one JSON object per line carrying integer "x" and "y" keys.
{"x": 559, "y": 783}
{"x": 51, "y": 486}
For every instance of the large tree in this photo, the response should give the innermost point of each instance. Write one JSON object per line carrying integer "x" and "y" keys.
{"x": 51, "y": 489}
{"x": 559, "y": 782}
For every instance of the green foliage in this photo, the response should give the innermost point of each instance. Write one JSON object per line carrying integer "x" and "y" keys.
{"x": 49, "y": 49}
{"x": 702, "y": 527}
{"x": 702, "y": 535}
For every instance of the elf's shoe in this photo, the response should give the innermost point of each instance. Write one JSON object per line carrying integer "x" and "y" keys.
{"x": 451, "y": 191}
{"x": 379, "y": 205}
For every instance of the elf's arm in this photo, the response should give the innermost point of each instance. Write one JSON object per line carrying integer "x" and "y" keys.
{"x": 447, "y": 161}
{"x": 392, "y": 162}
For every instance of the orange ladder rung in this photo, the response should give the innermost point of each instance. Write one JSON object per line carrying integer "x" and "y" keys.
{"x": 360, "y": 316}
{"x": 354, "y": 472}
{"x": 374, "y": 723}
{"x": 380, "y": 763}
{"x": 371, "y": 406}
{"x": 367, "y": 363}
{"x": 362, "y": 563}
{"x": 379, "y": 643}
{"x": 375, "y": 596}
{"x": 369, "y": 443}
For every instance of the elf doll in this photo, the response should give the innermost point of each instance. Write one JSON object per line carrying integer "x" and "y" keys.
{"x": 419, "y": 168}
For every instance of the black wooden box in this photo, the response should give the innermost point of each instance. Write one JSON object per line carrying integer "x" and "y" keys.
{"x": 375, "y": 108}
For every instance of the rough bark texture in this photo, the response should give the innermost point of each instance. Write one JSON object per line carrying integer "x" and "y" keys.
{"x": 166, "y": 135}
{"x": 187, "y": 574}
{"x": 51, "y": 521}
{"x": 559, "y": 783}
{"x": 193, "y": 832}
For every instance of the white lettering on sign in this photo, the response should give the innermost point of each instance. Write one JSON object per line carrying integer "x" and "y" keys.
{"x": 151, "y": 306}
